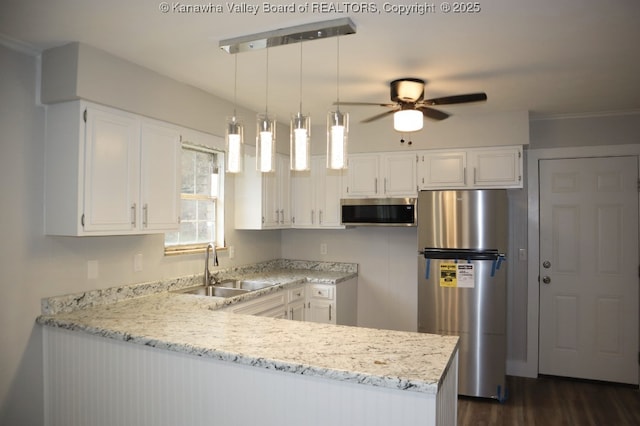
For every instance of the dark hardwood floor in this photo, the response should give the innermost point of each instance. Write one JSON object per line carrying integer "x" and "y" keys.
{"x": 550, "y": 401}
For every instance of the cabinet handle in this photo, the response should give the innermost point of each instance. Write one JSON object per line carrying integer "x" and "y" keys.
{"x": 329, "y": 312}
{"x": 145, "y": 214}
{"x": 385, "y": 186}
{"x": 312, "y": 217}
{"x": 375, "y": 181}
{"x": 291, "y": 317}
{"x": 285, "y": 314}
{"x": 309, "y": 305}
{"x": 320, "y": 217}
{"x": 133, "y": 215}
{"x": 282, "y": 220}
{"x": 474, "y": 175}
{"x": 277, "y": 216}
{"x": 464, "y": 175}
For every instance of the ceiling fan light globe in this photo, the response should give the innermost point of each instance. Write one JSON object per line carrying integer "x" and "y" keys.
{"x": 408, "y": 120}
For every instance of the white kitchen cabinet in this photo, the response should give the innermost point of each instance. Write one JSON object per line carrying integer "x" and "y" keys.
{"x": 473, "y": 168}
{"x": 381, "y": 175}
{"x": 496, "y": 167}
{"x": 277, "y": 187}
{"x": 333, "y": 304}
{"x": 316, "y": 302}
{"x": 285, "y": 304}
{"x": 316, "y": 196}
{"x": 263, "y": 200}
{"x": 271, "y": 305}
{"x": 442, "y": 169}
{"x": 296, "y": 303}
{"x": 161, "y": 176}
{"x": 109, "y": 172}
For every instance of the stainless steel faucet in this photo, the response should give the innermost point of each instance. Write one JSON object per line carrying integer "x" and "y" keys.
{"x": 206, "y": 279}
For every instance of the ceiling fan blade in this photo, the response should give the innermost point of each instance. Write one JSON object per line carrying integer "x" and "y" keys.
{"x": 376, "y": 117}
{"x": 434, "y": 114}
{"x": 364, "y": 103}
{"x": 457, "y": 99}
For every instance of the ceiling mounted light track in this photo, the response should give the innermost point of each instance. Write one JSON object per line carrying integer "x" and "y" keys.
{"x": 290, "y": 35}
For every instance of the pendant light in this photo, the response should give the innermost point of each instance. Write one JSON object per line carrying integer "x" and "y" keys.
{"x": 266, "y": 135}
{"x": 234, "y": 133}
{"x": 300, "y": 134}
{"x": 337, "y": 127}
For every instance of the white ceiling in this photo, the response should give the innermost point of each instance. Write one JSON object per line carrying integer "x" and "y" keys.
{"x": 548, "y": 57}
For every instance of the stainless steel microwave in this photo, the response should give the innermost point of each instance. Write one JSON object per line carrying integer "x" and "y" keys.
{"x": 378, "y": 211}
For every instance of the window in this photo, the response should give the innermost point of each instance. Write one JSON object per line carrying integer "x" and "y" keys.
{"x": 201, "y": 210}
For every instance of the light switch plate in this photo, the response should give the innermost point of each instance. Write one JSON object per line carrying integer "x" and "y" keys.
{"x": 323, "y": 248}
{"x": 522, "y": 254}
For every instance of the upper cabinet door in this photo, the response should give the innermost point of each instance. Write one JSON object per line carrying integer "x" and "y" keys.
{"x": 496, "y": 167}
{"x": 328, "y": 198}
{"x": 399, "y": 175}
{"x": 303, "y": 202}
{"x": 111, "y": 171}
{"x": 160, "y": 176}
{"x": 362, "y": 176}
{"x": 442, "y": 169}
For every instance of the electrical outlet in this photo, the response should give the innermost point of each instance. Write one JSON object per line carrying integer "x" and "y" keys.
{"x": 137, "y": 262}
{"x": 232, "y": 252}
{"x": 323, "y": 248}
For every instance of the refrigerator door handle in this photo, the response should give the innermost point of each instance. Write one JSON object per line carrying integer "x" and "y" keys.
{"x": 462, "y": 254}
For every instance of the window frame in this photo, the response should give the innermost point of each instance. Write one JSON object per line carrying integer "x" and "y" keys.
{"x": 220, "y": 219}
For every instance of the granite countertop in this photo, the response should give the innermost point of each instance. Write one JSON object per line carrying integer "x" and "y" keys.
{"x": 194, "y": 325}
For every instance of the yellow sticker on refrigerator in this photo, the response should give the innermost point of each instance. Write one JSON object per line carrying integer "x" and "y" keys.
{"x": 459, "y": 275}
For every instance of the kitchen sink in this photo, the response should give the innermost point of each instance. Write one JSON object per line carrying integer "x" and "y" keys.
{"x": 214, "y": 290}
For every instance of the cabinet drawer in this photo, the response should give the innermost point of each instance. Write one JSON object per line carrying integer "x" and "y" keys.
{"x": 296, "y": 294}
{"x": 262, "y": 305}
{"x": 324, "y": 292}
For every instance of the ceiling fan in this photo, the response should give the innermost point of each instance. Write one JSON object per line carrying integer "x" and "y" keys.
{"x": 409, "y": 105}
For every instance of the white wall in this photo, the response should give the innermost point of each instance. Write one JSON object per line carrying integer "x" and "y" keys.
{"x": 34, "y": 266}
{"x": 586, "y": 130}
{"x": 387, "y": 269}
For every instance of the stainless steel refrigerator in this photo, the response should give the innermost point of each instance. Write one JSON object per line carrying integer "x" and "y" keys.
{"x": 462, "y": 241}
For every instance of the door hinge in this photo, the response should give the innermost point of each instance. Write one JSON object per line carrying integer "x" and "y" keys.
{"x": 84, "y": 115}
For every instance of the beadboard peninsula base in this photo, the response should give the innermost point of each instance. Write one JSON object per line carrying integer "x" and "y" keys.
{"x": 92, "y": 380}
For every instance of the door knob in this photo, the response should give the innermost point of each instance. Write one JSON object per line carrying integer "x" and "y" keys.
{"x": 546, "y": 264}
{"x": 546, "y": 280}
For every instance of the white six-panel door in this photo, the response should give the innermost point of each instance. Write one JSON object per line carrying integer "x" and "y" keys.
{"x": 589, "y": 268}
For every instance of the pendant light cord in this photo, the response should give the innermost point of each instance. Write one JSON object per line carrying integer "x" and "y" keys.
{"x": 235, "y": 86}
{"x": 338, "y": 74}
{"x": 266, "y": 107}
{"x": 300, "y": 110}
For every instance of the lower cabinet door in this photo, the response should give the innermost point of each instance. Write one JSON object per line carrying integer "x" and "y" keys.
{"x": 297, "y": 311}
{"x": 321, "y": 311}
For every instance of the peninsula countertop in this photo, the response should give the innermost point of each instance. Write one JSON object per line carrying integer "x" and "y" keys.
{"x": 194, "y": 325}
